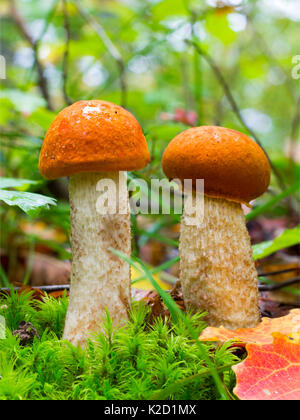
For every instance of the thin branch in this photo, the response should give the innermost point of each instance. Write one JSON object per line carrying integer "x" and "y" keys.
{"x": 275, "y": 273}
{"x": 296, "y": 121}
{"x": 48, "y": 19}
{"x": 189, "y": 100}
{"x": 68, "y": 100}
{"x": 62, "y": 287}
{"x": 277, "y": 286}
{"x": 43, "y": 32}
{"x": 268, "y": 54}
{"x": 197, "y": 67}
{"x": 110, "y": 47}
{"x": 42, "y": 82}
{"x": 290, "y": 88}
{"x": 48, "y": 289}
{"x": 233, "y": 104}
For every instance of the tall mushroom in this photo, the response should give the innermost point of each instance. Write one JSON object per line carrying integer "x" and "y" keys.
{"x": 216, "y": 267}
{"x": 91, "y": 141}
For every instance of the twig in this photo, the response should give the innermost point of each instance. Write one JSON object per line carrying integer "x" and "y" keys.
{"x": 189, "y": 100}
{"x": 42, "y": 82}
{"x": 62, "y": 287}
{"x": 48, "y": 19}
{"x": 274, "y": 273}
{"x": 43, "y": 32}
{"x": 233, "y": 104}
{"x": 51, "y": 288}
{"x": 281, "y": 285}
{"x": 197, "y": 70}
{"x": 68, "y": 100}
{"x": 110, "y": 47}
{"x": 268, "y": 54}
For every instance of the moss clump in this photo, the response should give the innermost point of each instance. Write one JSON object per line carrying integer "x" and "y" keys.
{"x": 138, "y": 361}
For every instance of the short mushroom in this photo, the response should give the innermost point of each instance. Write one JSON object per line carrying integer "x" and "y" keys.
{"x": 91, "y": 141}
{"x": 217, "y": 272}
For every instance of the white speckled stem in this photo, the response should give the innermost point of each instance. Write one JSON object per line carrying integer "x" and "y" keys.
{"x": 99, "y": 278}
{"x": 217, "y": 272}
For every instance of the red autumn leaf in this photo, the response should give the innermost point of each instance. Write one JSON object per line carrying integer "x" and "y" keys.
{"x": 271, "y": 371}
{"x": 186, "y": 117}
{"x": 261, "y": 334}
{"x": 182, "y": 116}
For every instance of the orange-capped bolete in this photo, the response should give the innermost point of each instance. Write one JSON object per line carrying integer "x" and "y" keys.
{"x": 216, "y": 267}
{"x": 90, "y": 141}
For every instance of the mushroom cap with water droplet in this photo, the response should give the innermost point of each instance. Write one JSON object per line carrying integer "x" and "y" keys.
{"x": 93, "y": 136}
{"x": 232, "y": 165}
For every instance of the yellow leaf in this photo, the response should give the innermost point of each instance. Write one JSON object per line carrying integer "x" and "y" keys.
{"x": 146, "y": 284}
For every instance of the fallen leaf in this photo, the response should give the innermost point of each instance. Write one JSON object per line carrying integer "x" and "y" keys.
{"x": 37, "y": 294}
{"x": 271, "y": 308}
{"x": 261, "y": 334}
{"x": 59, "y": 294}
{"x": 42, "y": 230}
{"x": 145, "y": 284}
{"x": 271, "y": 371}
{"x": 155, "y": 302}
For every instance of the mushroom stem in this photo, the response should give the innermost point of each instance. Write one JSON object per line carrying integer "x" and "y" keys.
{"x": 99, "y": 279}
{"x": 217, "y": 272}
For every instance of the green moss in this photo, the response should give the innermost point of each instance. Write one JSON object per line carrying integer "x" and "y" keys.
{"x": 138, "y": 361}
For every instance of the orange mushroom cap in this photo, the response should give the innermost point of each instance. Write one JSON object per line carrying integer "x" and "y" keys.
{"x": 232, "y": 165}
{"x": 93, "y": 136}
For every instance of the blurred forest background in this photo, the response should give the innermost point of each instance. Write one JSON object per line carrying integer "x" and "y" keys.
{"x": 173, "y": 64}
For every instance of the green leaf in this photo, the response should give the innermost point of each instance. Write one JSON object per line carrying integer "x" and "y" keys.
{"x": 288, "y": 238}
{"x": 160, "y": 269}
{"x": 23, "y": 101}
{"x": 42, "y": 117}
{"x": 218, "y": 25}
{"x": 253, "y": 67}
{"x": 167, "y": 8}
{"x": 3, "y": 278}
{"x": 7, "y": 112}
{"x": 15, "y": 183}
{"x": 30, "y": 203}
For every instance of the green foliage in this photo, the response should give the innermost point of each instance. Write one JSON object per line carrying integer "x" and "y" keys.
{"x": 17, "y": 308}
{"x": 14, "y": 384}
{"x": 51, "y": 315}
{"x": 136, "y": 361}
{"x": 287, "y": 238}
{"x": 178, "y": 317}
{"x": 30, "y": 203}
{"x": 270, "y": 204}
